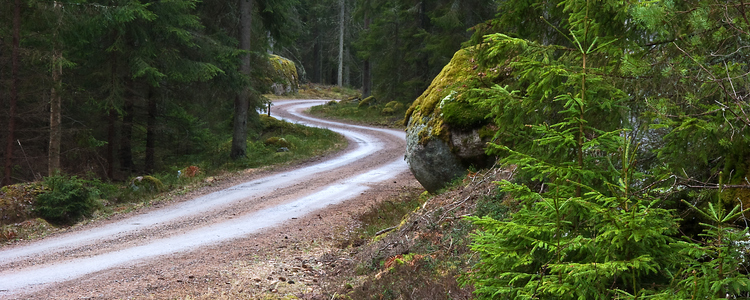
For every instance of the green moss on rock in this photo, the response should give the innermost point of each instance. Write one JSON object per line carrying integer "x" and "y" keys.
{"x": 285, "y": 79}
{"x": 446, "y": 129}
{"x": 444, "y": 100}
{"x": 367, "y": 102}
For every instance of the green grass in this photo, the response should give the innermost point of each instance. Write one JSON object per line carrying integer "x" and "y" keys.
{"x": 373, "y": 114}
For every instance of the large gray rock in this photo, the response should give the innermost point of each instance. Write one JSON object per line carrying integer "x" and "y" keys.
{"x": 285, "y": 80}
{"x": 446, "y": 134}
{"x": 431, "y": 162}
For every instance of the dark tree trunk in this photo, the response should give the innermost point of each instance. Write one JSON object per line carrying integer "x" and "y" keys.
{"x": 340, "y": 71}
{"x": 424, "y": 62}
{"x": 126, "y": 134}
{"x": 111, "y": 144}
{"x": 150, "y": 132}
{"x": 55, "y": 111}
{"x": 13, "y": 92}
{"x": 317, "y": 72}
{"x": 112, "y": 120}
{"x": 366, "y": 81}
{"x": 239, "y": 134}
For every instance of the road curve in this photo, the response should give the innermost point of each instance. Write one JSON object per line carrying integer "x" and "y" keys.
{"x": 374, "y": 155}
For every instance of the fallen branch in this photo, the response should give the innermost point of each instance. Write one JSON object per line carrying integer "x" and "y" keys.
{"x": 385, "y": 230}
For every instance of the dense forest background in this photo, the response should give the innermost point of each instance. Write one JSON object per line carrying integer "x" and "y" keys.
{"x": 112, "y": 88}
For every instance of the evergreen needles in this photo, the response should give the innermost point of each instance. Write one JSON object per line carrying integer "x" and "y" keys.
{"x": 595, "y": 221}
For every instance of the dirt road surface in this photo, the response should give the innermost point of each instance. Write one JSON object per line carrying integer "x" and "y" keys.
{"x": 197, "y": 242}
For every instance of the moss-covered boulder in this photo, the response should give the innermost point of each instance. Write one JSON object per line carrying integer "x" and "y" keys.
{"x": 285, "y": 79}
{"x": 447, "y": 131}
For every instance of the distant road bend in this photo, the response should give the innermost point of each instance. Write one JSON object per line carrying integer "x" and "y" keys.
{"x": 374, "y": 155}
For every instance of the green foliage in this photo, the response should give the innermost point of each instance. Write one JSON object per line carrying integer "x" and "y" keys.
{"x": 717, "y": 263}
{"x": 493, "y": 207}
{"x": 67, "y": 200}
{"x": 595, "y": 219}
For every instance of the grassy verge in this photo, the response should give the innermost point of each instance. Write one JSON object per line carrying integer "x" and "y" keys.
{"x": 358, "y": 111}
{"x": 68, "y": 200}
{"x": 317, "y": 91}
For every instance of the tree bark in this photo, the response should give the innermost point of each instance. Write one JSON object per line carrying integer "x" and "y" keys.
{"x": 55, "y": 110}
{"x": 340, "y": 80}
{"x": 112, "y": 120}
{"x": 13, "y": 92}
{"x": 366, "y": 81}
{"x": 126, "y": 135}
{"x": 150, "y": 133}
{"x": 424, "y": 62}
{"x": 55, "y": 100}
{"x": 239, "y": 133}
{"x": 111, "y": 144}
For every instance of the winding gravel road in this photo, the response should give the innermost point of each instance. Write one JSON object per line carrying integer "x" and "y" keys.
{"x": 374, "y": 156}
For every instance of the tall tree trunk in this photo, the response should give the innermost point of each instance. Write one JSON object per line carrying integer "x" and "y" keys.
{"x": 55, "y": 108}
{"x": 13, "y": 92}
{"x": 126, "y": 134}
{"x": 150, "y": 132}
{"x": 366, "y": 81}
{"x": 55, "y": 100}
{"x": 111, "y": 143}
{"x": 424, "y": 62}
{"x": 239, "y": 134}
{"x": 340, "y": 80}
{"x": 112, "y": 119}
{"x": 319, "y": 61}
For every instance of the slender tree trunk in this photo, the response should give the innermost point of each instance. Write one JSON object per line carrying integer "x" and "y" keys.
{"x": 55, "y": 101}
{"x": 55, "y": 109}
{"x": 111, "y": 144}
{"x": 13, "y": 92}
{"x": 150, "y": 132}
{"x": 366, "y": 81}
{"x": 126, "y": 135}
{"x": 424, "y": 62}
{"x": 241, "y": 104}
{"x": 112, "y": 119}
{"x": 317, "y": 75}
{"x": 319, "y": 55}
{"x": 340, "y": 80}
{"x": 347, "y": 70}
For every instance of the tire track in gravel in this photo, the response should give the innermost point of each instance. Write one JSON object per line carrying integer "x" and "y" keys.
{"x": 374, "y": 155}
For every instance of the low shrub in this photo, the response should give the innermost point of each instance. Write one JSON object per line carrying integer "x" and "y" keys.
{"x": 66, "y": 200}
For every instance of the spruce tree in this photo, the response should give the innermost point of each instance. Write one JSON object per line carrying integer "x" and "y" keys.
{"x": 594, "y": 218}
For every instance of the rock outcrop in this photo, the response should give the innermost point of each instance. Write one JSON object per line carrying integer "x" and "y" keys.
{"x": 285, "y": 80}
{"x": 446, "y": 132}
